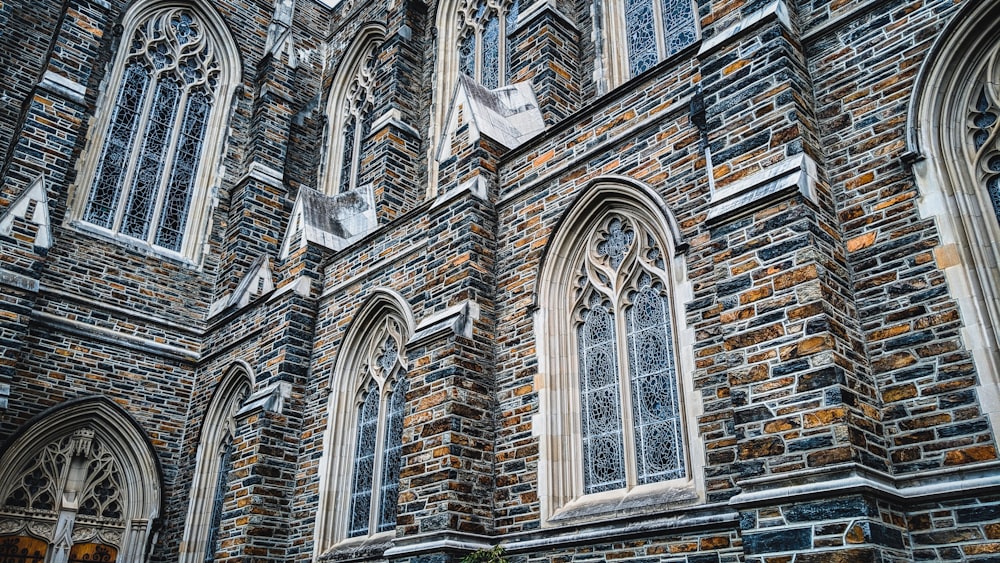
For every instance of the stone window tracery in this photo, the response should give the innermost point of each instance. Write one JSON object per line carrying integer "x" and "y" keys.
{"x": 147, "y": 168}
{"x": 363, "y": 448}
{"x": 982, "y": 120}
{"x": 485, "y": 51}
{"x": 617, "y": 404}
{"x": 631, "y": 428}
{"x": 150, "y": 164}
{"x": 355, "y": 122}
{"x": 69, "y": 493}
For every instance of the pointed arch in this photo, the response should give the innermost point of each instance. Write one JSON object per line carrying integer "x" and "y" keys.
{"x": 359, "y": 470}
{"x": 213, "y": 462}
{"x": 100, "y": 477}
{"x": 349, "y": 111}
{"x": 611, "y": 333}
{"x": 152, "y": 159}
{"x": 953, "y": 137}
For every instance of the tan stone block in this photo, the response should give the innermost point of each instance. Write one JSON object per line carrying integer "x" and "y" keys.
{"x": 861, "y": 242}
{"x": 824, "y": 417}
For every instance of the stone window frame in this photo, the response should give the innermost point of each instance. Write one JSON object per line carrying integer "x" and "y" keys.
{"x": 82, "y": 421}
{"x": 349, "y": 381}
{"x": 613, "y": 44}
{"x": 218, "y": 430}
{"x": 951, "y": 178}
{"x": 558, "y": 423}
{"x": 354, "y": 72}
{"x": 209, "y": 173}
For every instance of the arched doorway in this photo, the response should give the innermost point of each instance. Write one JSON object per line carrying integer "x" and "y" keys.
{"x": 80, "y": 483}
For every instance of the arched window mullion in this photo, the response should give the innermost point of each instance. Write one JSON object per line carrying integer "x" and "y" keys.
{"x": 625, "y": 386}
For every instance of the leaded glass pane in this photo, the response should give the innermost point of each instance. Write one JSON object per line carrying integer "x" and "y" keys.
{"x": 347, "y": 158}
{"x": 364, "y": 464}
{"x": 659, "y": 448}
{"x": 603, "y": 447}
{"x": 392, "y": 456}
{"x": 467, "y": 54}
{"x": 993, "y": 184}
{"x": 510, "y": 23}
{"x": 640, "y": 31}
{"x": 106, "y": 189}
{"x": 491, "y": 52}
{"x": 152, "y": 156}
{"x": 221, "y": 486}
{"x": 173, "y": 217}
{"x": 679, "y": 28}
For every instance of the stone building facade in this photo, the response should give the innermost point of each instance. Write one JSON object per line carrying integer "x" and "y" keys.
{"x": 659, "y": 280}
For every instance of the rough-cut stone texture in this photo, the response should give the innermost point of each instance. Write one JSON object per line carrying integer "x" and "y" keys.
{"x": 826, "y": 339}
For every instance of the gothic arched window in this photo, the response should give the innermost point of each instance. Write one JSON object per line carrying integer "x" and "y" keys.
{"x": 157, "y": 139}
{"x": 375, "y": 483}
{"x": 610, "y": 366}
{"x": 484, "y": 50}
{"x": 363, "y": 447}
{"x": 213, "y": 465}
{"x": 350, "y": 112}
{"x": 637, "y": 34}
{"x": 629, "y": 404}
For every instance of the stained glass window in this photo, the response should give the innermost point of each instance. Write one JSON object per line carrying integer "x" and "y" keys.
{"x": 485, "y": 51}
{"x": 354, "y": 123}
{"x": 218, "y": 502}
{"x": 151, "y": 151}
{"x": 378, "y": 454}
{"x": 629, "y": 400}
{"x": 655, "y": 29}
{"x": 600, "y": 394}
{"x": 364, "y": 463}
{"x": 391, "y": 459}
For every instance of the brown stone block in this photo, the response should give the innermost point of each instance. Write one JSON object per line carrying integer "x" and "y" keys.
{"x": 762, "y": 447}
{"x": 807, "y": 347}
{"x": 782, "y": 425}
{"x": 894, "y": 361}
{"x": 979, "y": 549}
{"x": 970, "y": 455}
{"x": 899, "y": 393}
{"x": 992, "y": 531}
{"x": 755, "y": 294}
{"x": 795, "y": 277}
{"x": 753, "y": 337}
{"x": 889, "y": 332}
{"x": 830, "y": 457}
{"x": 861, "y": 242}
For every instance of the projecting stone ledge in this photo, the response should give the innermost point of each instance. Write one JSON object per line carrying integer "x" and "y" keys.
{"x": 332, "y": 222}
{"x": 509, "y": 115}
{"x": 796, "y": 175}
